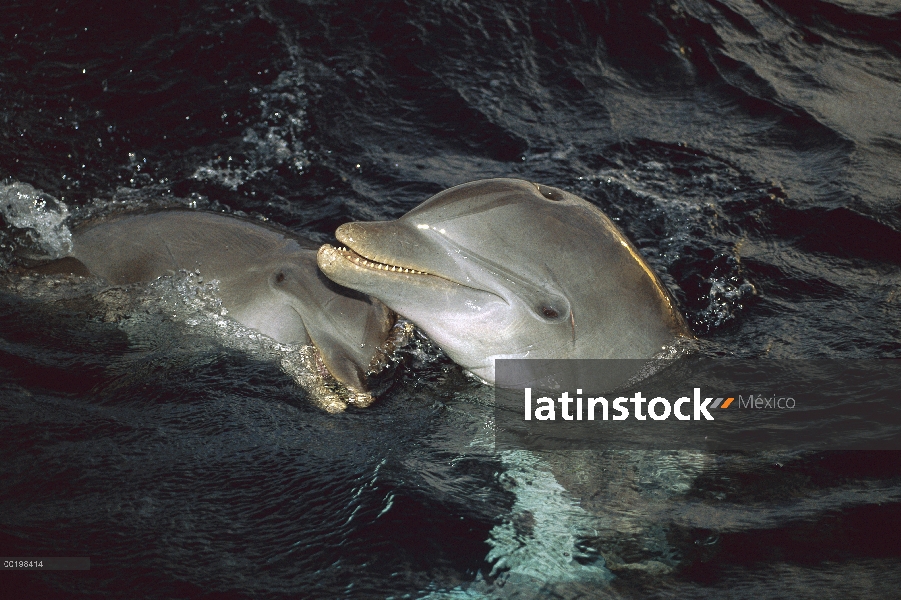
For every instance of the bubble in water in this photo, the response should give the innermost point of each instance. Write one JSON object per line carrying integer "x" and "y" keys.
{"x": 41, "y": 214}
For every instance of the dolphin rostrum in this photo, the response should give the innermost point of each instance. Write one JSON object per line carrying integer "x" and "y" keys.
{"x": 504, "y": 268}
{"x": 268, "y": 280}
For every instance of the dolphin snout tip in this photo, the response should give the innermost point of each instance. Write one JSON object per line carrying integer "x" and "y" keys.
{"x": 350, "y": 233}
{"x": 326, "y": 256}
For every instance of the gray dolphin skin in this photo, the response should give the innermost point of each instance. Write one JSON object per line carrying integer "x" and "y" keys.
{"x": 505, "y": 268}
{"x": 268, "y": 279}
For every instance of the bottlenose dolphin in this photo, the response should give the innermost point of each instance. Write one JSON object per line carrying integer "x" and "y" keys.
{"x": 504, "y": 268}
{"x": 268, "y": 280}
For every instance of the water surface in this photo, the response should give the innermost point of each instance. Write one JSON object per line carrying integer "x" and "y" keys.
{"x": 751, "y": 150}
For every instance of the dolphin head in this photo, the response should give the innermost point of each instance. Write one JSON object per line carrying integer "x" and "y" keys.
{"x": 504, "y": 268}
{"x": 291, "y": 301}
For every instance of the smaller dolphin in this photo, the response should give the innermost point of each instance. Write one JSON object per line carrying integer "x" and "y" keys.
{"x": 504, "y": 268}
{"x": 268, "y": 280}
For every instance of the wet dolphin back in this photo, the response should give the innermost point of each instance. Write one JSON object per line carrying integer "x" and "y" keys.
{"x": 141, "y": 247}
{"x": 268, "y": 279}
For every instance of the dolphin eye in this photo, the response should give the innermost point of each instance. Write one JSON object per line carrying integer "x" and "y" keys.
{"x": 550, "y": 193}
{"x": 279, "y": 277}
{"x": 553, "y": 310}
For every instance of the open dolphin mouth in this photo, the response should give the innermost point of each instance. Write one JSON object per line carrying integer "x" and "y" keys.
{"x": 344, "y": 257}
{"x": 362, "y": 262}
{"x": 359, "y": 259}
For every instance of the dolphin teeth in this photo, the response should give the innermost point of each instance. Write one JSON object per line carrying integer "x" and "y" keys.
{"x": 365, "y": 262}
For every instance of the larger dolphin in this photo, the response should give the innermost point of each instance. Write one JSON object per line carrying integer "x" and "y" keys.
{"x": 268, "y": 279}
{"x": 504, "y": 268}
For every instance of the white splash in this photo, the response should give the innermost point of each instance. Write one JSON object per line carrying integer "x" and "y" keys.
{"x": 274, "y": 140}
{"x": 41, "y": 214}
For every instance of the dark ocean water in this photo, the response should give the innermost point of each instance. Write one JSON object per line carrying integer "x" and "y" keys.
{"x": 751, "y": 150}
